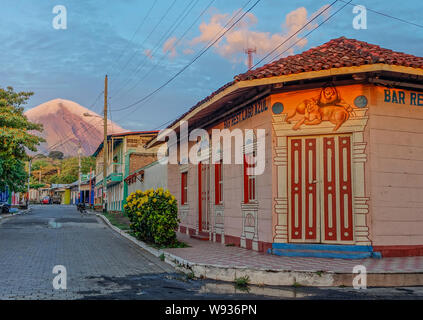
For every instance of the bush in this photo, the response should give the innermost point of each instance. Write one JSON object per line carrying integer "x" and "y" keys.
{"x": 153, "y": 215}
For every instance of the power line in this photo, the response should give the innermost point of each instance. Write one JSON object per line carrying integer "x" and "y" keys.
{"x": 294, "y": 34}
{"x": 90, "y": 126}
{"x": 311, "y": 31}
{"x": 190, "y": 63}
{"x": 158, "y": 45}
{"x": 160, "y": 41}
{"x": 386, "y": 15}
{"x": 175, "y": 45}
{"x": 213, "y": 39}
{"x": 133, "y": 36}
{"x": 69, "y": 135}
{"x": 148, "y": 36}
{"x": 291, "y": 37}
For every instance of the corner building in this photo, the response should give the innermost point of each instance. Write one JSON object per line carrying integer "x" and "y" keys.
{"x": 343, "y": 156}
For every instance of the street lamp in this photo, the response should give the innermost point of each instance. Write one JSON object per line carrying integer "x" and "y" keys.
{"x": 79, "y": 173}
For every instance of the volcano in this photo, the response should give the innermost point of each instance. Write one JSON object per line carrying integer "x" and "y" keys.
{"x": 66, "y": 126}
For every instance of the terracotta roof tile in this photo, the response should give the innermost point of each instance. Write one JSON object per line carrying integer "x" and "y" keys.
{"x": 336, "y": 53}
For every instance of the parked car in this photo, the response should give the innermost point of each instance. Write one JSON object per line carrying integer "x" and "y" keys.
{"x": 46, "y": 200}
{"x": 57, "y": 199}
{"x": 4, "y": 207}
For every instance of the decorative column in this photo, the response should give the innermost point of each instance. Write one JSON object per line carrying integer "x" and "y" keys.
{"x": 281, "y": 200}
{"x": 360, "y": 206}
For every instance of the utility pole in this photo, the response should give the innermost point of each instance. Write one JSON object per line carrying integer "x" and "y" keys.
{"x": 89, "y": 193}
{"x": 79, "y": 172}
{"x": 105, "y": 151}
{"x": 29, "y": 176}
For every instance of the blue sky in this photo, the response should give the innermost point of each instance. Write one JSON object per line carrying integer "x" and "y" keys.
{"x": 100, "y": 39}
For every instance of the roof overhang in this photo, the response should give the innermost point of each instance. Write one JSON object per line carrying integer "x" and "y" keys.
{"x": 116, "y": 136}
{"x": 264, "y": 87}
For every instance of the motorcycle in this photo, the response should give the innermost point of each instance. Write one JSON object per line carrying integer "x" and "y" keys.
{"x": 81, "y": 208}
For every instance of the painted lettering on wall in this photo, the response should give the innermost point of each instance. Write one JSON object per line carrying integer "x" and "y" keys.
{"x": 246, "y": 113}
{"x": 403, "y": 97}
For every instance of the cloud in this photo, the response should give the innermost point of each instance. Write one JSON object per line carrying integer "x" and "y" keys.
{"x": 169, "y": 46}
{"x": 188, "y": 51}
{"x": 148, "y": 53}
{"x": 241, "y": 37}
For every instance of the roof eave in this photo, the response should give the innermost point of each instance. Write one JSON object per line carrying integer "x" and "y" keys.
{"x": 289, "y": 78}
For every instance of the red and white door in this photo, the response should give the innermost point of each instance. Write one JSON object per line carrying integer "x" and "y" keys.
{"x": 203, "y": 196}
{"x": 320, "y": 189}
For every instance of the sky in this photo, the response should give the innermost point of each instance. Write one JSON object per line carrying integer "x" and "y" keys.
{"x": 140, "y": 45}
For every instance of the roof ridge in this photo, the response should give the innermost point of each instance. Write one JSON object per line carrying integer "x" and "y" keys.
{"x": 348, "y": 52}
{"x": 335, "y": 53}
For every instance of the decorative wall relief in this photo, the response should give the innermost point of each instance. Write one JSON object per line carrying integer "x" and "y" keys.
{"x": 327, "y": 106}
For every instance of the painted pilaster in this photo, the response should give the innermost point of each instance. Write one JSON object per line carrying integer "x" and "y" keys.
{"x": 360, "y": 206}
{"x": 281, "y": 199}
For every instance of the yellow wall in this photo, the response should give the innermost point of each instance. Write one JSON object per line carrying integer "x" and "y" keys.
{"x": 66, "y": 196}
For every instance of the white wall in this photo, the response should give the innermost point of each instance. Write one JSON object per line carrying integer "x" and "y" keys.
{"x": 155, "y": 176}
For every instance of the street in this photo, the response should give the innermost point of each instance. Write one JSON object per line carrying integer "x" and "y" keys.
{"x": 100, "y": 264}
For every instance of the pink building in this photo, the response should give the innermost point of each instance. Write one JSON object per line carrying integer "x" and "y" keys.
{"x": 342, "y": 151}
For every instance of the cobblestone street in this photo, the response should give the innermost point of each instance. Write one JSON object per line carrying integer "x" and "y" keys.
{"x": 101, "y": 264}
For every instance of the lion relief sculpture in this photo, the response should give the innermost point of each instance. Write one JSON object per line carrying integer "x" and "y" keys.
{"x": 328, "y": 106}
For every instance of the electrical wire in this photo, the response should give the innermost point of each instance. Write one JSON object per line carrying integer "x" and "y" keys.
{"x": 311, "y": 31}
{"x": 133, "y": 36}
{"x": 294, "y": 34}
{"x": 149, "y": 35}
{"x": 189, "y": 64}
{"x": 169, "y": 32}
{"x": 386, "y": 15}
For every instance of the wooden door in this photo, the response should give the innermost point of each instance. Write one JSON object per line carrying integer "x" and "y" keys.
{"x": 304, "y": 200}
{"x": 320, "y": 189}
{"x": 203, "y": 196}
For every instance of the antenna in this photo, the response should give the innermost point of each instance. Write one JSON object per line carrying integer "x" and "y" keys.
{"x": 250, "y": 52}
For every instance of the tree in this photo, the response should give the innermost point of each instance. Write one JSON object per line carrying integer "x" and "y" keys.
{"x": 12, "y": 174}
{"x": 15, "y": 138}
{"x": 56, "y": 155}
{"x": 36, "y": 165}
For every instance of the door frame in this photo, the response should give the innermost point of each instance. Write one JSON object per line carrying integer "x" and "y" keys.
{"x": 355, "y": 126}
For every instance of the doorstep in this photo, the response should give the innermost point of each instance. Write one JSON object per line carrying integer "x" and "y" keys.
{"x": 332, "y": 251}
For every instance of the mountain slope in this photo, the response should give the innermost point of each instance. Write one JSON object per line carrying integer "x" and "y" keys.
{"x": 65, "y": 127}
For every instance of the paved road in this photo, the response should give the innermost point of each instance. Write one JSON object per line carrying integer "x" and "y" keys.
{"x": 100, "y": 264}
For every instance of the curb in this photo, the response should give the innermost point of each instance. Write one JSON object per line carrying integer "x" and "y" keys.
{"x": 273, "y": 277}
{"x": 5, "y": 216}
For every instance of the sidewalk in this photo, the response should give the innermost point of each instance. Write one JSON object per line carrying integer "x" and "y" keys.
{"x": 205, "y": 259}
{"x": 211, "y": 253}
{"x": 23, "y": 211}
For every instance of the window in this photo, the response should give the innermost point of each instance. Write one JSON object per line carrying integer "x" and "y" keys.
{"x": 249, "y": 180}
{"x": 184, "y": 187}
{"x": 218, "y": 182}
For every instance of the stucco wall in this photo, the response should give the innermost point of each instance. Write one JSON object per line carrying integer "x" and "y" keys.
{"x": 232, "y": 187}
{"x": 396, "y": 165}
{"x": 155, "y": 176}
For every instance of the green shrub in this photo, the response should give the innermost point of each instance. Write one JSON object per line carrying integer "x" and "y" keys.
{"x": 242, "y": 281}
{"x": 153, "y": 215}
